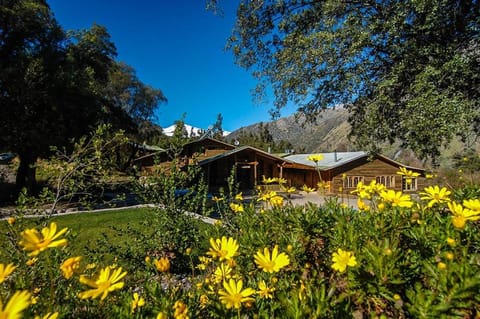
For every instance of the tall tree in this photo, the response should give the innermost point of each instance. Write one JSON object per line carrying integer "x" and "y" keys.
{"x": 405, "y": 69}
{"x": 56, "y": 86}
{"x": 217, "y": 128}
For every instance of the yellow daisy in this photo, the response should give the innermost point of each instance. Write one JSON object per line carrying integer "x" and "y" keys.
{"x": 341, "y": 259}
{"x": 223, "y": 249}
{"x": 137, "y": 302}
{"x": 106, "y": 282}
{"x": 36, "y": 242}
{"x": 461, "y": 215}
{"x": 17, "y": 303}
{"x": 435, "y": 195}
{"x": 315, "y": 157}
{"x": 162, "y": 264}
{"x": 232, "y": 295}
{"x": 396, "y": 199}
{"x": 5, "y": 271}
{"x": 264, "y": 291}
{"x": 69, "y": 266}
{"x": 271, "y": 263}
{"x": 48, "y": 316}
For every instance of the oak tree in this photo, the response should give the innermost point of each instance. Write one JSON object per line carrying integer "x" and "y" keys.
{"x": 406, "y": 70}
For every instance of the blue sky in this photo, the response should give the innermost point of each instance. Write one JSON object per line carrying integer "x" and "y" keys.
{"x": 178, "y": 47}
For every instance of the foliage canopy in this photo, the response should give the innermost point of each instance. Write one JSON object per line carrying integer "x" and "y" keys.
{"x": 57, "y": 85}
{"x": 404, "y": 69}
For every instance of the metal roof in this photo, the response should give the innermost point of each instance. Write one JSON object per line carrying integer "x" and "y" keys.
{"x": 330, "y": 160}
{"x": 335, "y": 159}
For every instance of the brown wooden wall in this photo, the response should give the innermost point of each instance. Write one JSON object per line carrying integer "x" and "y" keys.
{"x": 369, "y": 170}
{"x": 245, "y": 163}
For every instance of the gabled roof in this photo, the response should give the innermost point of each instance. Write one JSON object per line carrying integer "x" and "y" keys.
{"x": 336, "y": 159}
{"x": 145, "y": 147}
{"x": 240, "y": 149}
{"x": 208, "y": 139}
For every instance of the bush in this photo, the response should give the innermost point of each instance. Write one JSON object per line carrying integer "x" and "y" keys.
{"x": 395, "y": 258}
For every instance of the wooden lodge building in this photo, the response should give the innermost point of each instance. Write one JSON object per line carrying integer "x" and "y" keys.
{"x": 340, "y": 171}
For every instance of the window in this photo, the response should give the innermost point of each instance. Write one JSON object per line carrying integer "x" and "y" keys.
{"x": 388, "y": 181}
{"x": 352, "y": 181}
{"x": 409, "y": 183}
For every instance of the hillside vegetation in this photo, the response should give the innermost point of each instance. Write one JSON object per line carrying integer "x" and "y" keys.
{"x": 329, "y": 132}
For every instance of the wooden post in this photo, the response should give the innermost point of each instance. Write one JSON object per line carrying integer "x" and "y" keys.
{"x": 255, "y": 163}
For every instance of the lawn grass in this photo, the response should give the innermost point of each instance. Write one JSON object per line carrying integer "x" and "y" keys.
{"x": 90, "y": 228}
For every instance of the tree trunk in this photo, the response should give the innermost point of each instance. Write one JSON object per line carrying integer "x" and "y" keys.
{"x": 26, "y": 172}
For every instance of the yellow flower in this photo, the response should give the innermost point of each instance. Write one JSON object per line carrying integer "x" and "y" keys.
{"x": 307, "y": 189}
{"x": 428, "y": 176}
{"x": 217, "y": 199}
{"x": 35, "y": 242}
{"x": 222, "y": 273}
{"x": 69, "y": 266}
{"x": 451, "y": 242}
{"x": 461, "y": 215}
{"x": 239, "y": 196}
{"x": 362, "y": 205}
{"x": 435, "y": 195}
{"x": 11, "y": 220}
{"x": 266, "y": 196}
{"x": 441, "y": 266}
{"x": 449, "y": 255}
{"x": 396, "y": 198}
{"x": 265, "y": 291}
{"x": 223, "y": 249}
{"x": 5, "y": 271}
{"x": 301, "y": 291}
{"x": 363, "y": 191}
{"x": 269, "y": 180}
{"x": 204, "y": 261}
{"x": 341, "y": 259}
{"x": 203, "y": 301}
{"x": 34, "y": 300}
{"x": 290, "y": 190}
{"x": 162, "y": 264}
{"x": 137, "y": 302}
{"x": 397, "y": 297}
{"x": 472, "y": 204}
{"x": 237, "y": 208}
{"x": 180, "y": 310}
{"x": 408, "y": 173}
{"x": 233, "y": 295}
{"x": 17, "y": 303}
{"x": 105, "y": 283}
{"x": 48, "y": 316}
{"x": 162, "y": 315}
{"x": 272, "y": 263}
{"x": 315, "y": 158}
{"x": 459, "y": 221}
{"x": 91, "y": 266}
{"x": 276, "y": 201}
{"x": 147, "y": 259}
{"x": 281, "y": 180}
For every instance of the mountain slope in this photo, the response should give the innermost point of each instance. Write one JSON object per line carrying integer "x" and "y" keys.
{"x": 327, "y": 133}
{"x": 330, "y": 132}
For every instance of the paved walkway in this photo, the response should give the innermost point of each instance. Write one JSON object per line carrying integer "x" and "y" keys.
{"x": 299, "y": 199}
{"x": 303, "y": 198}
